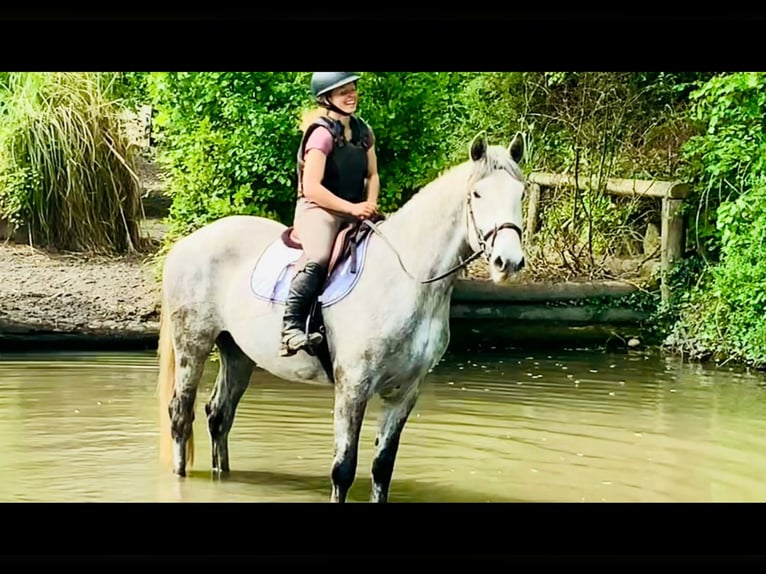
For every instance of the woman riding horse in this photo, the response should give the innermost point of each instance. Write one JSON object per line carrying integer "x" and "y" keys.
{"x": 338, "y": 182}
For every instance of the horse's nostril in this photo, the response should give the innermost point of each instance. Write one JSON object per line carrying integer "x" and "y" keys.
{"x": 499, "y": 263}
{"x": 521, "y": 264}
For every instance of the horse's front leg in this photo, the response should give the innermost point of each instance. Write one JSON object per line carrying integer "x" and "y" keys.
{"x": 397, "y": 406}
{"x": 350, "y": 406}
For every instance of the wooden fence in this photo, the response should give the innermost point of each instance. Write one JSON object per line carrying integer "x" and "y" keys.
{"x": 543, "y": 311}
{"x": 670, "y": 193}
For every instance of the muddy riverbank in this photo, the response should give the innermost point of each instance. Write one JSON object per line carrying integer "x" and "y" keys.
{"x": 56, "y": 298}
{"x": 60, "y": 299}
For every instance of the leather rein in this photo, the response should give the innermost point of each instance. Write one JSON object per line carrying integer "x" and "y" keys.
{"x": 482, "y": 240}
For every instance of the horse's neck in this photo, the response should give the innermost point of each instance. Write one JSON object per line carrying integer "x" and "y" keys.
{"x": 429, "y": 231}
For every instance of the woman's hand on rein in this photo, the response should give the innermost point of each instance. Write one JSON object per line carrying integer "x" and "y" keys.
{"x": 364, "y": 209}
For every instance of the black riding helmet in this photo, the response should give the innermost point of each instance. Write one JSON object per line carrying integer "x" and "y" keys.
{"x": 324, "y": 82}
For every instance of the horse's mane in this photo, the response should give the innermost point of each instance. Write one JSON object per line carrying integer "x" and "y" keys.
{"x": 439, "y": 207}
{"x": 496, "y": 157}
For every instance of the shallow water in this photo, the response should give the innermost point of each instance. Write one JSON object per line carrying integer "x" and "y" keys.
{"x": 502, "y": 426}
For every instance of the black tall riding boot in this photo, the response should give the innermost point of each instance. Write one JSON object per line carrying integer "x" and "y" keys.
{"x": 304, "y": 289}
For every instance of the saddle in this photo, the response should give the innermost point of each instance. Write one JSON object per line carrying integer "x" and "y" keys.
{"x": 349, "y": 236}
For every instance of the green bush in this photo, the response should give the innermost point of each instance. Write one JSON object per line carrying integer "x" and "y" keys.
{"x": 418, "y": 121}
{"x": 722, "y": 317}
{"x": 722, "y": 314}
{"x": 729, "y": 154}
{"x": 228, "y": 140}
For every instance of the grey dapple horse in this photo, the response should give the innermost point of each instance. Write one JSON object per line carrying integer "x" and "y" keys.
{"x": 383, "y": 335}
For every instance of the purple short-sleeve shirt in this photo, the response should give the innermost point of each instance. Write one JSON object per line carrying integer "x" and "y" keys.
{"x": 320, "y": 139}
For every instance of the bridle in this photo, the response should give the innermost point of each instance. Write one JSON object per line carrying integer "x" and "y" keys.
{"x": 481, "y": 239}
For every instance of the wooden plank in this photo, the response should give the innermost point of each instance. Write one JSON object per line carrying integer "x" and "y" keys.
{"x": 616, "y": 186}
{"x": 40, "y": 328}
{"x": 581, "y": 315}
{"x": 472, "y": 290}
{"x": 37, "y": 336}
{"x": 471, "y": 333}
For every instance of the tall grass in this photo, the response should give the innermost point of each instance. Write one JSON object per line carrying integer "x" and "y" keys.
{"x": 67, "y": 168}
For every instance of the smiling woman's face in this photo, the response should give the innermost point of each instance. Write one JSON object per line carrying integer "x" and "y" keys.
{"x": 345, "y": 97}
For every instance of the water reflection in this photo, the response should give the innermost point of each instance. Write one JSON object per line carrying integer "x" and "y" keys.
{"x": 507, "y": 426}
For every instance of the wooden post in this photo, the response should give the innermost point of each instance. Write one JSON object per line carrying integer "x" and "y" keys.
{"x": 532, "y": 208}
{"x": 672, "y": 238}
{"x": 671, "y": 193}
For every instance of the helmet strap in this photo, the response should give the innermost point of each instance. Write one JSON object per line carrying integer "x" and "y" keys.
{"x": 326, "y": 103}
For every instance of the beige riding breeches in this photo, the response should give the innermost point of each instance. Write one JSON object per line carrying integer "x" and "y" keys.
{"x": 316, "y": 229}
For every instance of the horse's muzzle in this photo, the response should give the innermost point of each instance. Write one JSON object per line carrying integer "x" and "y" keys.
{"x": 505, "y": 267}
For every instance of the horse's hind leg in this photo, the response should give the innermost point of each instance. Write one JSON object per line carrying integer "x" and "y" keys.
{"x": 191, "y": 355}
{"x": 397, "y": 406}
{"x": 233, "y": 379}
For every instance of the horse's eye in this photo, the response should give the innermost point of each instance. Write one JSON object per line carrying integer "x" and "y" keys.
{"x": 476, "y": 194}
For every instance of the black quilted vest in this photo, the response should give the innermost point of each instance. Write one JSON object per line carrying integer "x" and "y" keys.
{"x": 346, "y": 166}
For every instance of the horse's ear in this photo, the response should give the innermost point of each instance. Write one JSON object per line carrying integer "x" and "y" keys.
{"x": 478, "y": 146}
{"x": 516, "y": 147}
